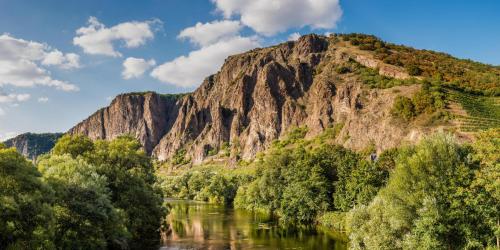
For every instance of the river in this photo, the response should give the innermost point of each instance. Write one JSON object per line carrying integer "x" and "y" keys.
{"x": 197, "y": 225}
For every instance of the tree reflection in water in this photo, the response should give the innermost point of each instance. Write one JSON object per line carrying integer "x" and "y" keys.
{"x": 196, "y": 225}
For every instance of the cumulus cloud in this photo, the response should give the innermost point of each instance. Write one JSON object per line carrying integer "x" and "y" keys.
{"x": 43, "y": 99}
{"x": 97, "y": 39}
{"x": 10, "y": 98}
{"x": 66, "y": 61}
{"x": 269, "y": 17}
{"x": 294, "y": 36}
{"x": 190, "y": 70}
{"x": 135, "y": 67}
{"x": 21, "y": 63}
{"x": 204, "y": 34}
{"x": 6, "y": 135}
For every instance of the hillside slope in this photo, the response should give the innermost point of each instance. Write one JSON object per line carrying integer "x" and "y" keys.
{"x": 316, "y": 83}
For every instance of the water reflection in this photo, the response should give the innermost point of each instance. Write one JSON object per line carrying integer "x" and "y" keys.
{"x": 195, "y": 225}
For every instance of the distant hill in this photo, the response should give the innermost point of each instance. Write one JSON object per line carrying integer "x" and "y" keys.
{"x": 32, "y": 145}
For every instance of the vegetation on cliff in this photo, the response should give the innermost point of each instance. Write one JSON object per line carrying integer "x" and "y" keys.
{"x": 460, "y": 74}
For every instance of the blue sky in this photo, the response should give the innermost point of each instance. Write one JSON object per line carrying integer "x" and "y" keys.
{"x": 38, "y": 38}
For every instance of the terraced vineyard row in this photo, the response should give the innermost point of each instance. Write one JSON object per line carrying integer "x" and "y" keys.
{"x": 483, "y": 112}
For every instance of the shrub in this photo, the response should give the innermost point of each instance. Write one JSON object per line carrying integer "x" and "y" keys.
{"x": 25, "y": 204}
{"x": 403, "y": 108}
{"x": 425, "y": 204}
{"x": 180, "y": 157}
{"x": 342, "y": 70}
{"x": 413, "y": 70}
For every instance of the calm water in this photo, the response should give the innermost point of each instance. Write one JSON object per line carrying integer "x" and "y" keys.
{"x": 196, "y": 225}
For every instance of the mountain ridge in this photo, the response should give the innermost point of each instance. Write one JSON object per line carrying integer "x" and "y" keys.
{"x": 345, "y": 81}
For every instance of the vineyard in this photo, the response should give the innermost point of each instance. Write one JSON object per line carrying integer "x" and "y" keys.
{"x": 482, "y": 112}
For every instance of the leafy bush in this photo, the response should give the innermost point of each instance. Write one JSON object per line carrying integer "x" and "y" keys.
{"x": 342, "y": 70}
{"x": 180, "y": 157}
{"x": 373, "y": 79}
{"x": 430, "y": 202}
{"x": 428, "y": 100}
{"x": 464, "y": 75}
{"x": 84, "y": 216}
{"x": 204, "y": 185}
{"x": 413, "y": 70}
{"x": 357, "y": 184}
{"x": 403, "y": 108}
{"x": 130, "y": 180}
{"x": 25, "y": 204}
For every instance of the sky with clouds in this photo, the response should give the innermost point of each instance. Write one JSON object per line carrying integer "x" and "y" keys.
{"x": 61, "y": 60}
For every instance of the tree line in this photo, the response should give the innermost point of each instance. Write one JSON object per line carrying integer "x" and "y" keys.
{"x": 82, "y": 195}
{"x": 438, "y": 194}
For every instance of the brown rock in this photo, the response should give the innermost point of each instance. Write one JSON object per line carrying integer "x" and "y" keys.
{"x": 257, "y": 97}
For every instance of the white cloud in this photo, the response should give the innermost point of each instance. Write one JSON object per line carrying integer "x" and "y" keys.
{"x": 43, "y": 99}
{"x": 190, "y": 70}
{"x": 2, "y": 113}
{"x": 10, "y": 98}
{"x": 97, "y": 39}
{"x": 294, "y": 36}
{"x": 269, "y": 17}
{"x": 204, "y": 34}
{"x": 135, "y": 67}
{"x": 67, "y": 61}
{"x": 21, "y": 60}
{"x": 6, "y": 135}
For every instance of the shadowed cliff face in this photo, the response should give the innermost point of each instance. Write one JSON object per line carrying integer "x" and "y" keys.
{"x": 146, "y": 116}
{"x": 257, "y": 97}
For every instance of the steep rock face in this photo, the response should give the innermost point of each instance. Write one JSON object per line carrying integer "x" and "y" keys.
{"x": 253, "y": 99}
{"x": 259, "y": 96}
{"x": 32, "y": 145}
{"x": 146, "y": 116}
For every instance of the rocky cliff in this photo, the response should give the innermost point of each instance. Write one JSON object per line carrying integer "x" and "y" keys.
{"x": 258, "y": 97}
{"x": 32, "y": 145}
{"x": 146, "y": 116}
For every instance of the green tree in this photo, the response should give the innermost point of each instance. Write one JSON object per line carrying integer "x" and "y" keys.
{"x": 413, "y": 70}
{"x": 84, "y": 216}
{"x": 484, "y": 194}
{"x": 25, "y": 213}
{"x": 358, "y": 183}
{"x": 297, "y": 183}
{"x": 74, "y": 145}
{"x": 403, "y": 107}
{"x": 131, "y": 182}
{"x": 425, "y": 203}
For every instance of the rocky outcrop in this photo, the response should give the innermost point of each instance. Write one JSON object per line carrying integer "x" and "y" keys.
{"x": 146, "y": 116}
{"x": 32, "y": 145}
{"x": 258, "y": 97}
